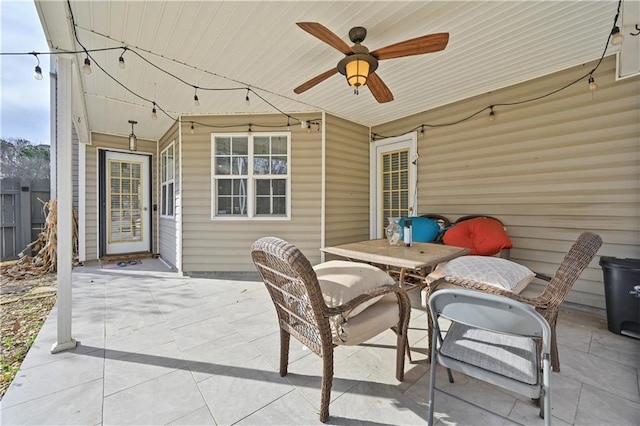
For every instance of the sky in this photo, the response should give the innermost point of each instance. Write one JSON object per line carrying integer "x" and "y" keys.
{"x": 24, "y": 103}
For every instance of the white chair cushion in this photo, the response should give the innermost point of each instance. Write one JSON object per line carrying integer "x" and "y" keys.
{"x": 495, "y": 271}
{"x": 507, "y": 355}
{"x": 341, "y": 281}
{"x": 369, "y": 323}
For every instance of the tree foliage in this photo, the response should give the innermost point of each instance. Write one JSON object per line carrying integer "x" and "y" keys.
{"x": 20, "y": 159}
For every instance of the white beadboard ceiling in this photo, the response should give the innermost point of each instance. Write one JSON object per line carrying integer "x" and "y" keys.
{"x": 257, "y": 44}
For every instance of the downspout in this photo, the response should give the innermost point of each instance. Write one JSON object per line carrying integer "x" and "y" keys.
{"x": 323, "y": 191}
{"x": 178, "y": 202}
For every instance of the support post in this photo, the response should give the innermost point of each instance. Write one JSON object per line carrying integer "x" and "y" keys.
{"x": 64, "y": 160}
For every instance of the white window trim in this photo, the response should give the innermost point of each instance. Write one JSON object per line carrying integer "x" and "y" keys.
{"x": 163, "y": 201}
{"x": 408, "y": 140}
{"x": 250, "y": 179}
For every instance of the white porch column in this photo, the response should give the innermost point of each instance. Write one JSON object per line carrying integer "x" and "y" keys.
{"x": 64, "y": 188}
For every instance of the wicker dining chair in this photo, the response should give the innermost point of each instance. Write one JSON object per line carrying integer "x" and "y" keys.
{"x": 303, "y": 313}
{"x": 548, "y": 303}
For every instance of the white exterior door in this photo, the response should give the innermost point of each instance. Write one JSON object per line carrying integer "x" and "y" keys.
{"x": 393, "y": 180}
{"x": 128, "y": 201}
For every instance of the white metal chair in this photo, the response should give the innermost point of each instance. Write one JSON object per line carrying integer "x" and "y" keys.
{"x": 494, "y": 339}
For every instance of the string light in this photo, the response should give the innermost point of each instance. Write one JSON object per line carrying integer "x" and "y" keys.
{"x": 249, "y": 128}
{"x": 592, "y": 86}
{"x": 86, "y": 68}
{"x": 422, "y": 131}
{"x": 154, "y": 113}
{"x": 37, "y": 72}
{"x": 196, "y": 101}
{"x": 246, "y": 99}
{"x": 121, "y": 58}
{"x": 288, "y": 124}
{"x": 616, "y": 36}
{"x": 192, "y": 127}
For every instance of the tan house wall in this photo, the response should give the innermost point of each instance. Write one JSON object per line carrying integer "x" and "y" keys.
{"x": 168, "y": 240}
{"x": 115, "y": 143}
{"x": 346, "y": 181}
{"x": 548, "y": 169}
{"x": 223, "y": 245}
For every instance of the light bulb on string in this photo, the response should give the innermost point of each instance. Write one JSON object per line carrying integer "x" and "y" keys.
{"x": 616, "y": 36}
{"x": 196, "y": 101}
{"x": 86, "y": 68}
{"x": 288, "y": 124}
{"x": 121, "y": 58}
{"x": 249, "y": 128}
{"x": 492, "y": 114}
{"x": 37, "y": 72}
{"x": 154, "y": 113}
{"x": 309, "y": 127}
{"x": 422, "y": 130}
{"x": 592, "y": 83}
{"x": 246, "y": 98}
{"x": 192, "y": 127}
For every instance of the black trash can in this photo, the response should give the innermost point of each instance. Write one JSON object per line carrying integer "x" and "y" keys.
{"x": 622, "y": 294}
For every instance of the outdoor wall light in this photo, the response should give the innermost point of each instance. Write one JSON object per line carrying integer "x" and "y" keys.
{"x": 133, "y": 141}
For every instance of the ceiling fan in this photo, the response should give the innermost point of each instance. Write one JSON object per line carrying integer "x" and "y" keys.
{"x": 359, "y": 64}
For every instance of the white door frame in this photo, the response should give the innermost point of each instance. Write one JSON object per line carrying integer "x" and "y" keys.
{"x": 408, "y": 140}
{"x": 144, "y": 245}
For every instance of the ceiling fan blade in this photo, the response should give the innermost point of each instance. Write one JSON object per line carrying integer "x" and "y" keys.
{"x": 379, "y": 90}
{"x": 315, "y": 80}
{"x": 326, "y": 35}
{"x": 415, "y": 46}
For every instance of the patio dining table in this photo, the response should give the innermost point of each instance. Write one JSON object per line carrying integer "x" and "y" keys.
{"x": 409, "y": 264}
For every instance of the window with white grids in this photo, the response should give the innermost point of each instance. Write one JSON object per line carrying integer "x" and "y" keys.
{"x": 167, "y": 179}
{"x": 250, "y": 176}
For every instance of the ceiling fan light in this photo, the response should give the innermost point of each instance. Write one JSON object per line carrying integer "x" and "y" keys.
{"x": 357, "y": 68}
{"x": 357, "y": 72}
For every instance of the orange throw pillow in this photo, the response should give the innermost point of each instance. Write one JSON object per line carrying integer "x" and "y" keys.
{"x": 484, "y": 236}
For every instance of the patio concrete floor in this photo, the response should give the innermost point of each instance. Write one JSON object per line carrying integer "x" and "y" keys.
{"x": 158, "y": 348}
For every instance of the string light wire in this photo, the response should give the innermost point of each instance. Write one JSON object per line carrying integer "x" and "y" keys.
{"x": 375, "y": 136}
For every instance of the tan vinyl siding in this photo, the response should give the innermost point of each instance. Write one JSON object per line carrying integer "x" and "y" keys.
{"x": 116, "y": 143}
{"x": 224, "y": 245}
{"x": 548, "y": 169}
{"x": 168, "y": 238}
{"x": 346, "y": 181}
